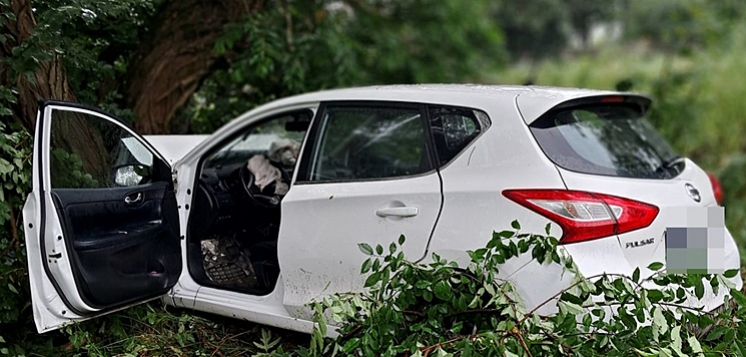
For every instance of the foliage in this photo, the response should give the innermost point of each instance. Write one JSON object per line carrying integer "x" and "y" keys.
{"x": 534, "y": 29}
{"x": 95, "y": 41}
{"x": 297, "y": 47}
{"x": 584, "y": 14}
{"x": 15, "y": 159}
{"x": 300, "y": 46}
{"x": 276, "y": 53}
{"x": 436, "y": 308}
{"x": 682, "y": 25}
{"x": 67, "y": 171}
{"x": 420, "y": 41}
{"x": 151, "y": 330}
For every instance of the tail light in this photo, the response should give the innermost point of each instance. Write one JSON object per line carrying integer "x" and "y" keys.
{"x": 585, "y": 216}
{"x": 716, "y": 188}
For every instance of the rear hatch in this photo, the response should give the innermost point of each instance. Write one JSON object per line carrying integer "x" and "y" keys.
{"x": 605, "y": 145}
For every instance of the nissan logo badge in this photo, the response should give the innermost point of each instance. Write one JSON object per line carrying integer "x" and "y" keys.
{"x": 692, "y": 192}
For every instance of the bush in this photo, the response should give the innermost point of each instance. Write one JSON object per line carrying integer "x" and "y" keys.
{"x": 15, "y": 181}
{"x": 437, "y": 309}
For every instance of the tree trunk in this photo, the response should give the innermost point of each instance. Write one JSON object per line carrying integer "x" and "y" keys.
{"x": 176, "y": 57}
{"x": 47, "y": 82}
{"x": 72, "y": 132}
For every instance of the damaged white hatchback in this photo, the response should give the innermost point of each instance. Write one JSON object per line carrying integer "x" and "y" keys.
{"x": 265, "y": 215}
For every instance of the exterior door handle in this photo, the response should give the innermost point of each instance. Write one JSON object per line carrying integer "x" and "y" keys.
{"x": 134, "y": 198}
{"x": 397, "y": 212}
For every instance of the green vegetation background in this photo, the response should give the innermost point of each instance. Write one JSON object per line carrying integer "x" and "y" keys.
{"x": 689, "y": 55}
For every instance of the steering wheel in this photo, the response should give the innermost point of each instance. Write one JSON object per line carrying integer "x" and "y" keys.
{"x": 257, "y": 195}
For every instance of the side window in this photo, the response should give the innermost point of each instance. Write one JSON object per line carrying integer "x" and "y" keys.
{"x": 454, "y": 129}
{"x": 87, "y": 151}
{"x": 369, "y": 142}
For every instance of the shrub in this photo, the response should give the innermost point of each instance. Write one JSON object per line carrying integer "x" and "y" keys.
{"x": 438, "y": 309}
{"x": 14, "y": 184}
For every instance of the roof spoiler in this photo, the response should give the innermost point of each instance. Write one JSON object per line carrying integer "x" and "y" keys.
{"x": 639, "y": 101}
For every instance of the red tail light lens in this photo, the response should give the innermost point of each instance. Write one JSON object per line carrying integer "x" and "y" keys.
{"x": 716, "y": 188}
{"x": 585, "y": 216}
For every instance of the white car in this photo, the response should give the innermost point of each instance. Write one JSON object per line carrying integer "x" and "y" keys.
{"x": 111, "y": 223}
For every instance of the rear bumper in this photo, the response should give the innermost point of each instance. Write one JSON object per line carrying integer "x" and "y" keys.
{"x": 537, "y": 283}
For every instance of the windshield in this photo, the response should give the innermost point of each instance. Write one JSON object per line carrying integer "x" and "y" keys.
{"x": 612, "y": 140}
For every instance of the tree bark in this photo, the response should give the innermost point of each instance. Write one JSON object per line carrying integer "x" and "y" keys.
{"x": 47, "y": 82}
{"x": 72, "y": 132}
{"x": 176, "y": 57}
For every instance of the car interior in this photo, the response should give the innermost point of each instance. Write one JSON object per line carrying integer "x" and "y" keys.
{"x": 235, "y": 218}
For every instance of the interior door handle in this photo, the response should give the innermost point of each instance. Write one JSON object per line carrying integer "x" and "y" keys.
{"x": 133, "y": 198}
{"x": 397, "y": 212}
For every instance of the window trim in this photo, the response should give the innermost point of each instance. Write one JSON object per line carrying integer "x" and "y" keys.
{"x": 303, "y": 177}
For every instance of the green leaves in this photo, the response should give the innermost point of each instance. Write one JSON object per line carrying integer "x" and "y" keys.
{"x": 15, "y": 183}
{"x": 365, "y": 248}
{"x": 412, "y": 308}
{"x": 655, "y": 266}
{"x": 566, "y": 307}
{"x": 739, "y": 297}
{"x": 442, "y": 290}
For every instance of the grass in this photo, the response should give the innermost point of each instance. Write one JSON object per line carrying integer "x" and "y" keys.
{"x": 154, "y": 330}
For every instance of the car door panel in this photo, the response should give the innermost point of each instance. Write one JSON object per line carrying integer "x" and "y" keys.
{"x": 318, "y": 248}
{"x": 120, "y": 251}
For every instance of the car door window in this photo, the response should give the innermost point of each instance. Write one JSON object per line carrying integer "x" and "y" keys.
{"x": 89, "y": 152}
{"x": 369, "y": 142}
{"x": 454, "y": 129}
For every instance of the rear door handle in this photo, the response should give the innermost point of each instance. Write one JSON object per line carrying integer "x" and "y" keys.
{"x": 397, "y": 212}
{"x": 134, "y": 198}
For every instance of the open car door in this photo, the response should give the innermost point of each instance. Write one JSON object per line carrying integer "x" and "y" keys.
{"x": 101, "y": 223}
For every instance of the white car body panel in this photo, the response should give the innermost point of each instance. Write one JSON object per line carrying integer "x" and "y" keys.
{"x": 318, "y": 257}
{"x": 474, "y": 205}
{"x": 318, "y": 254}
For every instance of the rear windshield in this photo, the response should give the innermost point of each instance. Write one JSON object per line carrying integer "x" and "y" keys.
{"x": 611, "y": 140}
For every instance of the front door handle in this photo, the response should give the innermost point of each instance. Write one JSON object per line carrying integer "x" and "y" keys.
{"x": 133, "y": 199}
{"x": 397, "y": 212}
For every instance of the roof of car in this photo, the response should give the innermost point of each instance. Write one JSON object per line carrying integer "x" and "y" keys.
{"x": 534, "y": 100}
{"x": 427, "y": 90}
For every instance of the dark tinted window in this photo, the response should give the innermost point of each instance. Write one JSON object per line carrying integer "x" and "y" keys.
{"x": 609, "y": 140}
{"x": 358, "y": 142}
{"x": 88, "y": 151}
{"x": 454, "y": 128}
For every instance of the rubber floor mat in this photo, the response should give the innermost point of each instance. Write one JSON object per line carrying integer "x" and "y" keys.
{"x": 227, "y": 264}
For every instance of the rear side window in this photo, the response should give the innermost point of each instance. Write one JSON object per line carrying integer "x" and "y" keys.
{"x": 611, "y": 140}
{"x": 454, "y": 129}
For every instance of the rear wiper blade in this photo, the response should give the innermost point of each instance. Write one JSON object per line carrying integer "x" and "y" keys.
{"x": 674, "y": 160}
{"x": 669, "y": 163}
